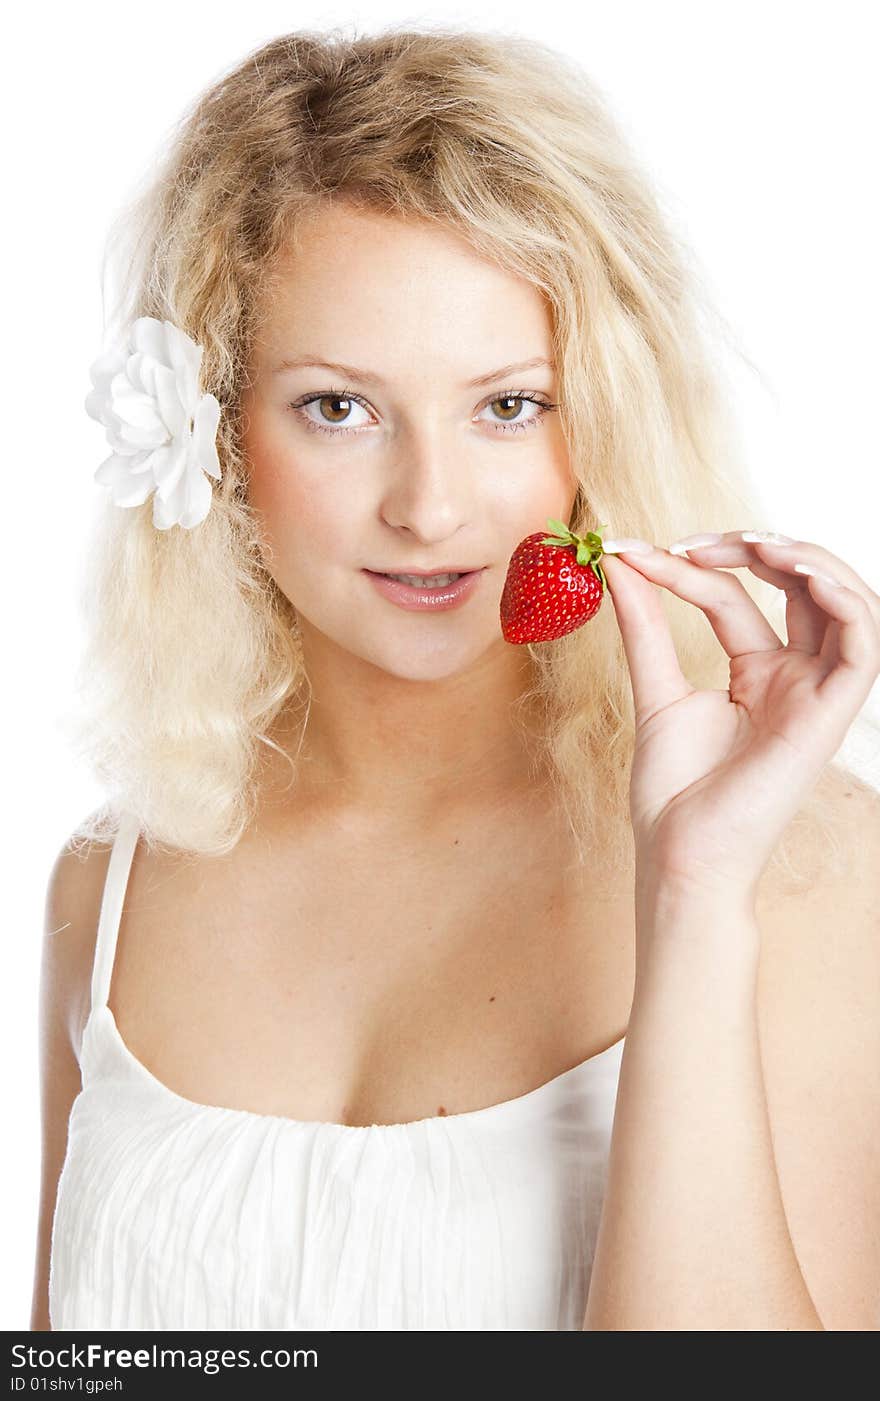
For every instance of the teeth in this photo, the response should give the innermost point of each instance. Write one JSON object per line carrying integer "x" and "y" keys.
{"x": 437, "y": 581}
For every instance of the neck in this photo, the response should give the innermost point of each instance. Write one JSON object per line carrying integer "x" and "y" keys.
{"x": 402, "y": 749}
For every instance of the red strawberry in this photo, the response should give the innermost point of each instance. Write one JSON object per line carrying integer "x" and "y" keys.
{"x": 554, "y": 584}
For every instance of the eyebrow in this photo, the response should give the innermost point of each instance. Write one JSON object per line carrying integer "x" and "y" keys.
{"x": 304, "y": 362}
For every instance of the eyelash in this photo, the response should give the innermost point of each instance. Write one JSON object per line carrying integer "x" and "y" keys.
{"x": 543, "y": 404}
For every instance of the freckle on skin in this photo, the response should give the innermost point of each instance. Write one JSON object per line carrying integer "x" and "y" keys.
{"x": 441, "y": 1110}
{"x": 492, "y": 998}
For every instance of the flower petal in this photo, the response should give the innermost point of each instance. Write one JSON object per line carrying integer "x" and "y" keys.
{"x": 133, "y": 370}
{"x": 166, "y": 510}
{"x": 168, "y": 400}
{"x": 185, "y": 358}
{"x": 133, "y": 406}
{"x": 187, "y": 505}
{"x": 164, "y": 516}
{"x": 96, "y": 405}
{"x": 169, "y": 465}
{"x": 198, "y": 499}
{"x": 148, "y": 335}
{"x": 108, "y": 364}
{"x": 148, "y": 438}
{"x": 125, "y": 489}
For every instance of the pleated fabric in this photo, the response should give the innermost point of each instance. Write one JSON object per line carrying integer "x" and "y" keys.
{"x": 172, "y": 1214}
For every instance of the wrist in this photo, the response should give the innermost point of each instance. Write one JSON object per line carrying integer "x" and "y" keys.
{"x": 700, "y": 930}
{"x": 670, "y": 896}
{"x": 694, "y": 994}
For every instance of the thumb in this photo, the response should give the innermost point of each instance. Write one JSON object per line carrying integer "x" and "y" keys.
{"x": 636, "y": 598}
{"x": 654, "y": 669}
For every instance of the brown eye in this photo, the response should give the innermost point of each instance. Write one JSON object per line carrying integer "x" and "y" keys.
{"x": 338, "y": 412}
{"x": 508, "y": 401}
{"x": 507, "y": 412}
{"x": 336, "y": 415}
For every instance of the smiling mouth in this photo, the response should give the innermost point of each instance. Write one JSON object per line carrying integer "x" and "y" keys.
{"x": 428, "y": 582}
{"x": 429, "y": 591}
{"x": 423, "y": 573}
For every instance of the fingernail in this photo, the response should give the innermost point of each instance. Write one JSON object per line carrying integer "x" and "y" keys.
{"x": 768, "y": 537}
{"x": 625, "y": 546}
{"x": 692, "y": 542}
{"x": 817, "y": 574}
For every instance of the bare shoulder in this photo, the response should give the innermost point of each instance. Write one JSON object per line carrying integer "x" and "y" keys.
{"x": 819, "y": 1026}
{"x": 73, "y": 903}
{"x": 852, "y": 879}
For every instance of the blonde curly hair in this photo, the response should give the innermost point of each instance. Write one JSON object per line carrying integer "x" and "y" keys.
{"x": 191, "y": 650}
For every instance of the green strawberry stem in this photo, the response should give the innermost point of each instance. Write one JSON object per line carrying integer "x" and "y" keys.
{"x": 588, "y": 547}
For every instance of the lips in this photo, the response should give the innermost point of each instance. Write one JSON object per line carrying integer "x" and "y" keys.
{"x": 429, "y": 573}
{"x": 446, "y": 578}
{"x": 427, "y": 599}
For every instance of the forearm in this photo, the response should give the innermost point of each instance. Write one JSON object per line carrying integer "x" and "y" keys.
{"x": 693, "y": 1234}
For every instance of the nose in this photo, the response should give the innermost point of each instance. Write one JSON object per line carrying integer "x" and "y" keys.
{"x": 427, "y": 487}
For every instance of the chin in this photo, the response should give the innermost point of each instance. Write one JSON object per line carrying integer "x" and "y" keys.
{"x": 426, "y": 661}
{"x": 419, "y": 657}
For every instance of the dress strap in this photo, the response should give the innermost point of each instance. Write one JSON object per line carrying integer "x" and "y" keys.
{"x": 115, "y": 883}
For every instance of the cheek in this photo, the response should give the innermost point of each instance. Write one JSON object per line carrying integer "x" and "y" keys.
{"x": 560, "y": 470}
{"x": 560, "y": 487}
{"x": 289, "y": 499}
{"x": 540, "y": 488}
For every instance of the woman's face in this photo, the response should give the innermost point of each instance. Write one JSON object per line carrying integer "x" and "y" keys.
{"x": 402, "y": 465}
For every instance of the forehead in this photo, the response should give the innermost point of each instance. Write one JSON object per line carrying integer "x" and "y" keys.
{"x": 355, "y": 283}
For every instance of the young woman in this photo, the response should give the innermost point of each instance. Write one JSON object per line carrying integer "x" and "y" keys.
{"x": 411, "y": 978}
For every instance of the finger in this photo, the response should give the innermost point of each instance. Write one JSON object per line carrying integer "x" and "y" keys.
{"x": 733, "y": 615}
{"x": 811, "y": 623}
{"x": 654, "y": 670}
{"x": 806, "y": 624}
{"x": 820, "y": 558}
{"x": 848, "y": 685}
{"x": 829, "y": 653}
{"x": 805, "y": 552}
{"x": 782, "y": 557}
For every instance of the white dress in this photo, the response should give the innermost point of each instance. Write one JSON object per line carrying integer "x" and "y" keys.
{"x": 172, "y": 1214}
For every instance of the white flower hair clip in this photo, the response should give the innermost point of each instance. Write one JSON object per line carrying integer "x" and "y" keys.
{"x": 162, "y": 430}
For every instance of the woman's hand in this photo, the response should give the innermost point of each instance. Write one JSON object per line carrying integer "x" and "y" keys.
{"x": 718, "y": 775}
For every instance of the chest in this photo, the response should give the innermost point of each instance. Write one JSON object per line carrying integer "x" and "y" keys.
{"x": 357, "y": 977}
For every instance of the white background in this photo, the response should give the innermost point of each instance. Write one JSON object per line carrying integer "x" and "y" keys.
{"x": 758, "y": 122}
